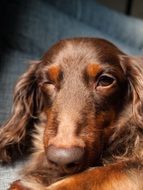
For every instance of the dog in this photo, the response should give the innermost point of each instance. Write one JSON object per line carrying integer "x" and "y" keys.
{"x": 78, "y": 112}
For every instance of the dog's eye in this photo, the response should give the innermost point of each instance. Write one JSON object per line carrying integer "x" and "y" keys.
{"x": 105, "y": 80}
{"x": 48, "y": 85}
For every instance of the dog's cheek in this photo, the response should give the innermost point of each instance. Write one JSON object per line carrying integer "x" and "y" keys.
{"x": 50, "y": 127}
{"x": 92, "y": 136}
{"x": 96, "y": 132}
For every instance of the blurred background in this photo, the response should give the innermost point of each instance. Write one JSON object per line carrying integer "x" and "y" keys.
{"x": 130, "y": 7}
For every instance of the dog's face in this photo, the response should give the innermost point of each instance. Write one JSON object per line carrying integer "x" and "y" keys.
{"x": 84, "y": 93}
{"x": 84, "y": 89}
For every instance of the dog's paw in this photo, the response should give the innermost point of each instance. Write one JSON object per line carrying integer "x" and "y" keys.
{"x": 16, "y": 185}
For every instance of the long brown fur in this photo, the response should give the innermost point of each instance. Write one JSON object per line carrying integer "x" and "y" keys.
{"x": 66, "y": 101}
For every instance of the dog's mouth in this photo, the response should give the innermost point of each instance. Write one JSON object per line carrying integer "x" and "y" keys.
{"x": 71, "y": 168}
{"x": 55, "y": 173}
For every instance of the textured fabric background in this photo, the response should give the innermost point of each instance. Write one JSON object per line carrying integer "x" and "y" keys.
{"x": 8, "y": 175}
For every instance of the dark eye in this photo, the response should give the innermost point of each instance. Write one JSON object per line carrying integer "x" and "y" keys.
{"x": 105, "y": 80}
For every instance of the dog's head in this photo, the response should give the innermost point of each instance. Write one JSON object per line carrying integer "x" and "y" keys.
{"x": 79, "y": 95}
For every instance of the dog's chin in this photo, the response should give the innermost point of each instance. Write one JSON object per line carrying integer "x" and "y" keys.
{"x": 72, "y": 168}
{"x": 69, "y": 170}
{"x": 63, "y": 173}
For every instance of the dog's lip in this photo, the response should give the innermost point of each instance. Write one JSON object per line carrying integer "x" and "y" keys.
{"x": 62, "y": 170}
{"x": 73, "y": 168}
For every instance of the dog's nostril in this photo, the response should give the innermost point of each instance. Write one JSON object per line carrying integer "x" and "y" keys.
{"x": 67, "y": 157}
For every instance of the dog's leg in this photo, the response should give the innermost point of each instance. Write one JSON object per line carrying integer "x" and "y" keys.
{"x": 120, "y": 176}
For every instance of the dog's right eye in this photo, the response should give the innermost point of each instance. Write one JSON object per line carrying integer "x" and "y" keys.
{"x": 48, "y": 86}
{"x": 48, "y": 83}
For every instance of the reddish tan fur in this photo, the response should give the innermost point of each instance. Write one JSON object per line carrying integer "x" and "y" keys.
{"x": 84, "y": 97}
{"x": 93, "y": 69}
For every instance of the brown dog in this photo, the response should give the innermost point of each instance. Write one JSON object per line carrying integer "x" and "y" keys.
{"x": 82, "y": 106}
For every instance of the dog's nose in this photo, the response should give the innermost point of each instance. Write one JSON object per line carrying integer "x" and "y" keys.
{"x": 66, "y": 157}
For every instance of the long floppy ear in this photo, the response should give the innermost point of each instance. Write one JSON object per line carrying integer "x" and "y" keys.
{"x": 134, "y": 72}
{"x": 127, "y": 139}
{"x": 26, "y": 104}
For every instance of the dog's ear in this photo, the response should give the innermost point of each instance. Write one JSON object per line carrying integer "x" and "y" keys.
{"x": 133, "y": 67}
{"x": 27, "y": 102}
{"x": 127, "y": 138}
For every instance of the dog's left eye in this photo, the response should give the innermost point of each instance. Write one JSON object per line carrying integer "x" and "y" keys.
{"x": 105, "y": 80}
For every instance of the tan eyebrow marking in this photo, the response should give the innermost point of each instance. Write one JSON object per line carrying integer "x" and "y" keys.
{"x": 92, "y": 69}
{"x": 54, "y": 73}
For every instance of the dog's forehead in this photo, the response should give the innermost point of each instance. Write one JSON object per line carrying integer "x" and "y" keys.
{"x": 76, "y": 54}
